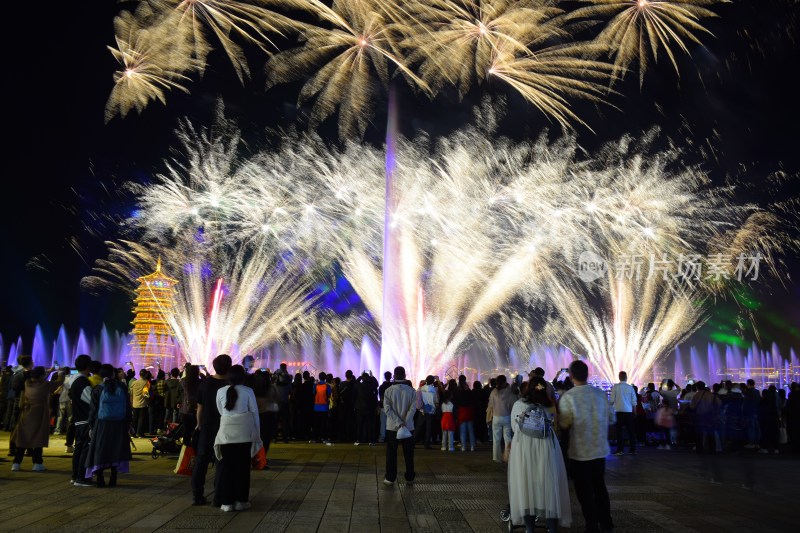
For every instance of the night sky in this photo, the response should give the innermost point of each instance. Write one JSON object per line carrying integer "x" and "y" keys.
{"x": 736, "y": 94}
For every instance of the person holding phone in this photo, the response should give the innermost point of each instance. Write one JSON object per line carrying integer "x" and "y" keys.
{"x": 208, "y": 420}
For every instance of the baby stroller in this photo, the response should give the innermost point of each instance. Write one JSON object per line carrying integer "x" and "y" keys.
{"x": 169, "y": 443}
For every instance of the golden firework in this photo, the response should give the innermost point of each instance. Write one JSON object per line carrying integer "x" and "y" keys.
{"x": 640, "y": 28}
{"x": 201, "y": 24}
{"x": 343, "y": 62}
{"x": 524, "y": 44}
{"x": 549, "y": 76}
{"x": 458, "y": 41}
{"x": 148, "y": 68}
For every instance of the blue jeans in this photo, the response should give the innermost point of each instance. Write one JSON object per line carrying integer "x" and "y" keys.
{"x": 501, "y": 432}
{"x": 467, "y": 429}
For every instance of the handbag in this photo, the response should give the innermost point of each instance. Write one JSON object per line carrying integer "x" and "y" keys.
{"x": 403, "y": 433}
{"x": 186, "y": 461}
{"x": 260, "y": 460}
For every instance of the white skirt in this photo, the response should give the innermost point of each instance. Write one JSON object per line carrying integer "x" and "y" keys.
{"x": 537, "y": 480}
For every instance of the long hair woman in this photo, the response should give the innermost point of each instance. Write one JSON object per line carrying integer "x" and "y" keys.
{"x": 110, "y": 416}
{"x": 537, "y": 479}
{"x": 238, "y": 441}
{"x": 190, "y": 385}
{"x": 465, "y": 413}
{"x": 267, "y": 400}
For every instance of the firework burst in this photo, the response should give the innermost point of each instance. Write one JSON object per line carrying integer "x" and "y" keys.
{"x": 640, "y": 29}
{"x": 347, "y": 63}
{"x": 147, "y": 68}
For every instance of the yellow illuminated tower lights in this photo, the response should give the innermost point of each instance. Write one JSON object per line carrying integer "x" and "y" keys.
{"x": 152, "y": 333}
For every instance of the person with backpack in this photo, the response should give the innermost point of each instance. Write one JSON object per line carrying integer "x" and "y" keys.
{"x": 109, "y": 419}
{"x": 537, "y": 478}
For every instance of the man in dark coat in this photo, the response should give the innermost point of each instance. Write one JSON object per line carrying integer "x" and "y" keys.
{"x": 80, "y": 394}
{"x": 366, "y": 404}
{"x": 207, "y": 427}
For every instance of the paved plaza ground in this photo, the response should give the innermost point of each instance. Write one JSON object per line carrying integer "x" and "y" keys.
{"x": 339, "y": 488}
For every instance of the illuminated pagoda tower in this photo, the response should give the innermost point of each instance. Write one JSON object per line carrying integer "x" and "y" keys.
{"x": 152, "y": 334}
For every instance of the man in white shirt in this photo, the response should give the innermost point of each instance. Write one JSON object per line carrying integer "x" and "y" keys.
{"x": 623, "y": 398}
{"x": 585, "y": 411}
{"x": 399, "y": 402}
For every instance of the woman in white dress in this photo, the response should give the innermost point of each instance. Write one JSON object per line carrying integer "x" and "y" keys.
{"x": 537, "y": 479}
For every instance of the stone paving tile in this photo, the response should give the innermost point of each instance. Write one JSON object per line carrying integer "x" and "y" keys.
{"x": 339, "y": 488}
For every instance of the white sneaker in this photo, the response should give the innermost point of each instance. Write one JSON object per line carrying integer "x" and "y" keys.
{"x": 356, "y": 444}
{"x": 242, "y": 506}
{"x": 15, "y": 467}
{"x": 329, "y": 443}
{"x": 39, "y": 468}
{"x": 667, "y": 447}
{"x": 443, "y": 448}
{"x": 227, "y": 508}
{"x": 387, "y": 482}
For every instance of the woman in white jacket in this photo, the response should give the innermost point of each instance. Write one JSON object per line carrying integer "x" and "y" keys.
{"x": 237, "y": 442}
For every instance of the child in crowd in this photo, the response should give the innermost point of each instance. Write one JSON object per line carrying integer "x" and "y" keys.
{"x": 448, "y": 423}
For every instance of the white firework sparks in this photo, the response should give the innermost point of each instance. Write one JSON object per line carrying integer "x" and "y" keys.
{"x": 481, "y": 223}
